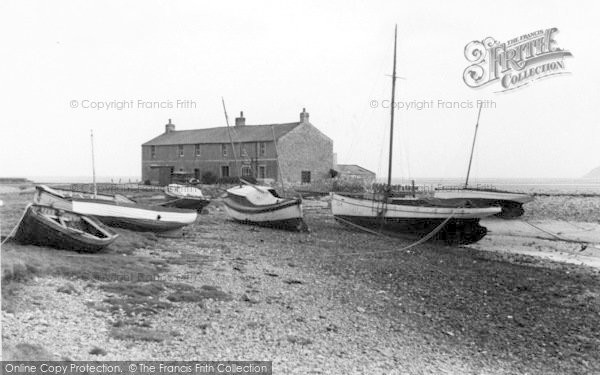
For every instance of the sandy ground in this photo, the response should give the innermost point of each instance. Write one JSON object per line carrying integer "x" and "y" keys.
{"x": 557, "y": 240}
{"x": 332, "y": 301}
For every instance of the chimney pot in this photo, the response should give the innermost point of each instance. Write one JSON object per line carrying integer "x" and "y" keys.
{"x": 170, "y": 127}
{"x": 240, "y": 121}
{"x": 303, "y": 115}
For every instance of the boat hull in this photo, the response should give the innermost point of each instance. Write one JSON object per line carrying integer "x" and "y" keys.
{"x": 123, "y": 215}
{"x": 187, "y": 203}
{"x": 39, "y": 229}
{"x": 511, "y": 203}
{"x": 286, "y": 215}
{"x": 414, "y": 218}
{"x": 454, "y": 232}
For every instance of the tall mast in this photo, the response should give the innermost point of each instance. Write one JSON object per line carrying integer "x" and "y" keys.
{"x": 473, "y": 147}
{"x": 389, "y": 181}
{"x": 230, "y": 138}
{"x": 279, "y": 175}
{"x": 93, "y": 164}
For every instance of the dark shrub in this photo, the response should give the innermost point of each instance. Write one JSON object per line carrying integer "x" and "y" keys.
{"x": 209, "y": 178}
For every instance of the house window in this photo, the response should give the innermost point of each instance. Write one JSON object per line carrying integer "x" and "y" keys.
{"x": 262, "y": 171}
{"x": 197, "y": 150}
{"x": 180, "y": 151}
{"x": 224, "y": 149}
{"x": 263, "y": 148}
{"x": 152, "y": 152}
{"x": 224, "y": 171}
{"x": 246, "y": 171}
{"x": 305, "y": 177}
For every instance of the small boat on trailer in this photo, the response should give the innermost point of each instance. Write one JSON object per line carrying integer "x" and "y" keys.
{"x": 260, "y": 205}
{"x": 413, "y": 217}
{"x": 511, "y": 203}
{"x": 182, "y": 196}
{"x": 49, "y": 226}
{"x": 125, "y": 215}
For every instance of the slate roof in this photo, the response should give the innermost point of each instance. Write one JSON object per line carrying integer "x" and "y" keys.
{"x": 353, "y": 169}
{"x": 246, "y": 133}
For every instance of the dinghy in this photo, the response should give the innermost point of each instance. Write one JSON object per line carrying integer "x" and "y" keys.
{"x": 126, "y": 215}
{"x": 452, "y": 222}
{"x": 260, "y": 205}
{"x": 185, "y": 197}
{"x": 62, "y": 229}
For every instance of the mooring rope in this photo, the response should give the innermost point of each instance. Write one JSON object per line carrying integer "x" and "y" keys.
{"x": 560, "y": 238}
{"x": 425, "y": 238}
{"x": 12, "y": 232}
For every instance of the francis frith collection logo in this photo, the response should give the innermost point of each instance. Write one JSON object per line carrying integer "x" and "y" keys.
{"x": 514, "y": 63}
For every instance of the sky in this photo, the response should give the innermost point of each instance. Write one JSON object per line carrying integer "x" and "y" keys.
{"x": 270, "y": 59}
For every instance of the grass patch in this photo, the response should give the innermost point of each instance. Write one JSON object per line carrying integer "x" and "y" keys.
{"x": 138, "y": 334}
{"x": 134, "y": 290}
{"x": 131, "y": 306}
{"x": 26, "y": 352}
{"x": 199, "y": 295}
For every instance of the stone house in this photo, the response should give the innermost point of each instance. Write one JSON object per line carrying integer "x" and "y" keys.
{"x": 300, "y": 150}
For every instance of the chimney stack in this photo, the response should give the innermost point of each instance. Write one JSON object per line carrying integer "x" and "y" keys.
{"x": 240, "y": 121}
{"x": 169, "y": 127}
{"x": 304, "y": 116}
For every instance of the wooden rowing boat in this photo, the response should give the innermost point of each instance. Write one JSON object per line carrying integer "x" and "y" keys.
{"x": 49, "y": 226}
{"x": 126, "y": 215}
{"x": 260, "y": 205}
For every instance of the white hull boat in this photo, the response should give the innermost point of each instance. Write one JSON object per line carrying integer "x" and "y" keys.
{"x": 511, "y": 203}
{"x": 119, "y": 214}
{"x": 260, "y": 205}
{"x": 413, "y": 217}
{"x": 87, "y": 195}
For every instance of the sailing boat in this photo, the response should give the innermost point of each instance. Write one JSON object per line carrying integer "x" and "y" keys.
{"x": 510, "y": 202}
{"x": 450, "y": 221}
